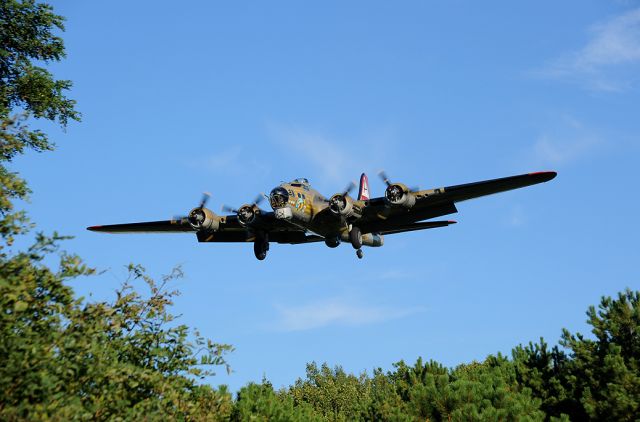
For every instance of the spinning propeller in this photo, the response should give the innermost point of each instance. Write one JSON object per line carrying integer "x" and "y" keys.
{"x": 387, "y": 181}
{"x": 349, "y": 188}
{"x": 196, "y": 216}
{"x": 398, "y": 193}
{"x": 338, "y": 203}
{"x": 246, "y": 213}
{"x": 384, "y": 177}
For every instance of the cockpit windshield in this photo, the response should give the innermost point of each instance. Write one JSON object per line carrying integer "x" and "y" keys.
{"x": 278, "y": 197}
{"x": 300, "y": 181}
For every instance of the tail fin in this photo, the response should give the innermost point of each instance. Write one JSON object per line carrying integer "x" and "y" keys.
{"x": 363, "y": 193}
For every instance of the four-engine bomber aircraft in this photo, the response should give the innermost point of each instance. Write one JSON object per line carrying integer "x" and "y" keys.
{"x": 302, "y": 215}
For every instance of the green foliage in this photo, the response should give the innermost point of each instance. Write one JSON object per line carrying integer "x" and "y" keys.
{"x": 333, "y": 393}
{"x": 597, "y": 378}
{"x": 27, "y": 34}
{"x": 580, "y": 379}
{"x": 259, "y": 402}
{"x": 65, "y": 359}
{"x": 385, "y": 402}
{"x": 26, "y": 37}
{"x": 608, "y": 368}
{"x": 544, "y": 371}
{"x": 479, "y": 391}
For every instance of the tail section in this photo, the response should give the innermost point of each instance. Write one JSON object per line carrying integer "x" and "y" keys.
{"x": 363, "y": 193}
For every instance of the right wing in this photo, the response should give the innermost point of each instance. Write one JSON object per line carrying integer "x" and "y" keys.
{"x": 165, "y": 226}
{"x": 230, "y": 230}
{"x": 266, "y": 222}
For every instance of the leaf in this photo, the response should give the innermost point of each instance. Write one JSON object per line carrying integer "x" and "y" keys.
{"x": 20, "y": 306}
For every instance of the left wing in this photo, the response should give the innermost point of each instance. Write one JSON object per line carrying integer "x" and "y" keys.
{"x": 431, "y": 203}
{"x": 467, "y": 191}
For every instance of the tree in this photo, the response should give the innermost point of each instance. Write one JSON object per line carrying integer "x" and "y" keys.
{"x": 261, "y": 402}
{"x": 333, "y": 393}
{"x": 424, "y": 391}
{"x": 385, "y": 403}
{"x": 476, "y": 391}
{"x": 64, "y": 358}
{"x": 545, "y": 372}
{"x": 590, "y": 379}
{"x": 27, "y": 90}
{"x": 606, "y": 371}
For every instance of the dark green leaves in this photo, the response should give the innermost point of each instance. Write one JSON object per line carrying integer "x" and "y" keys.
{"x": 27, "y": 36}
{"x": 27, "y": 39}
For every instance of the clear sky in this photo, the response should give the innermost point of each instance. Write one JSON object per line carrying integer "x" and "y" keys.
{"x": 234, "y": 97}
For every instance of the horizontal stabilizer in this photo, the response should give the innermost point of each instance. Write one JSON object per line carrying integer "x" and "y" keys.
{"x": 417, "y": 226}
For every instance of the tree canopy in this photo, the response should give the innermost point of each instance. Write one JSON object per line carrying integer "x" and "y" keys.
{"x": 64, "y": 358}
{"x": 27, "y": 31}
{"x": 580, "y": 379}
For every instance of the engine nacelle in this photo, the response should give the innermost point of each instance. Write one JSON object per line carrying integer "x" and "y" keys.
{"x": 332, "y": 242}
{"x": 247, "y": 214}
{"x": 203, "y": 219}
{"x": 341, "y": 204}
{"x": 398, "y": 194}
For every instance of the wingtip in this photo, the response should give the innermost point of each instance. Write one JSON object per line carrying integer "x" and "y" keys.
{"x": 94, "y": 228}
{"x": 452, "y": 222}
{"x": 546, "y": 175}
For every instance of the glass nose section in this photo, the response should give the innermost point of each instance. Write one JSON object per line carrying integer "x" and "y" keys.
{"x": 278, "y": 198}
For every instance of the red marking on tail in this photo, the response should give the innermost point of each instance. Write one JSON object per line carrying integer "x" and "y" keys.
{"x": 363, "y": 193}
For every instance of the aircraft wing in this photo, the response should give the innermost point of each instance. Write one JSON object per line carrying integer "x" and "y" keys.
{"x": 293, "y": 237}
{"x": 230, "y": 230}
{"x": 416, "y": 226}
{"x": 466, "y": 191}
{"x": 165, "y": 226}
{"x": 437, "y": 202}
{"x": 279, "y": 231}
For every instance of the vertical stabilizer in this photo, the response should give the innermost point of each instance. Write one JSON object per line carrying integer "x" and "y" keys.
{"x": 363, "y": 193}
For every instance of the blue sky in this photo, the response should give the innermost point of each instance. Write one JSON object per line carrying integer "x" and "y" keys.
{"x": 234, "y": 97}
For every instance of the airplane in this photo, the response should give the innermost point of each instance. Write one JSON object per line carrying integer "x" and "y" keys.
{"x": 301, "y": 214}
